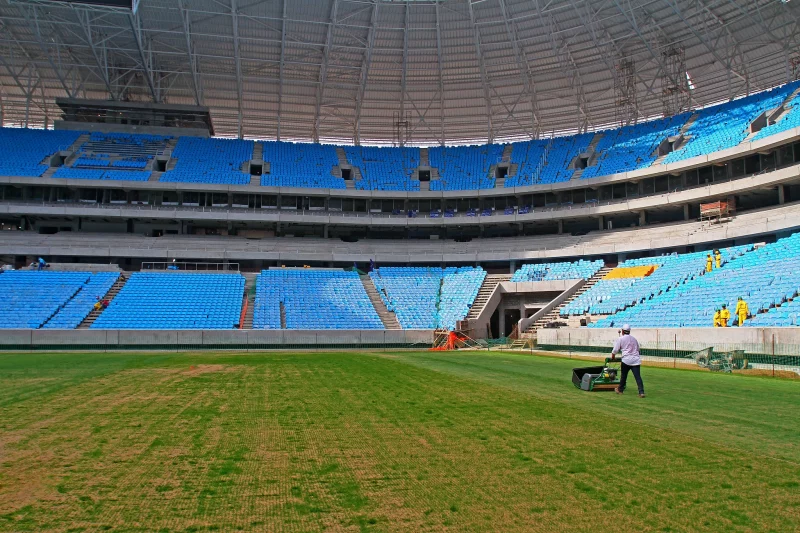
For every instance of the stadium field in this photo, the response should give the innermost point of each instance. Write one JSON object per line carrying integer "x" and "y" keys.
{"x": 403, "y": 441}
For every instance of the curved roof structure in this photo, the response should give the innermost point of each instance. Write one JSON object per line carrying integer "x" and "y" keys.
{"x": 383, "y": 71}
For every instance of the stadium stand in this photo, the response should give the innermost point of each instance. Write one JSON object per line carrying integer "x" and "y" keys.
{"x": 384, "y": 169}
{"x": 561, "y": 153}
{"x": 726, "y": 125}
{"x": 428, "y": 297}
{"x": 79, "y": 307}
{"x": 25, "y": 151}
{"x": 101, "y": 174}
{"x": 32, "y": 299}
{"x": 528, "y": 156}
{"x": 651, "y": 301}
{"x": 216, "y": 161}
{"x": 581, "y": 269}
{"x": 464, "y": 167}
{"x": 155, "y": 300}
{"x": 632, "y": 147}
{"x": 313, "y": 299}
{"x": 789, "y": 120}
{"x": 120, "y": 150}
{"x": 300, "y": 165}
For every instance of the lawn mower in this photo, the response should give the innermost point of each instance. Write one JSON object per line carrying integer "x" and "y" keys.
{"x": 598, "y": 378}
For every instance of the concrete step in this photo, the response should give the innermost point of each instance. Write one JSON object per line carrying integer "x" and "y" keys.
{"x": 487, "y": 287}
{"x": 258, "y": 151}
{"x": 388, "y": 318}
{"x": 49, "y": 172}
{"x": 507, "y": 153}
{"x": 79, "y": 142}
{"x": 283, "y": 316}
{"x": 342, "y": 156}
{"x": 424, "y": 185}
{"x": 555, "y": 314}
{"x": 155, "y": 176}
{"x": 350, "y": 184}
{"x": 255, "y": 180}
{"x": 250, "y": 297}
{"x": 110, "y": 295}
{"x": 424, "y": 157}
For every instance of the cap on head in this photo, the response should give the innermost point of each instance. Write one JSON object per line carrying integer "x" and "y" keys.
{"x": 626, "y": 327}
{"x": 724, "y": 306}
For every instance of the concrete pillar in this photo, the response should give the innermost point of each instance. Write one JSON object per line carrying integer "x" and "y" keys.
{"x": 640, "y": 185}
{"x": 512, "y": 266}
{"x": 325, "y": 231}
{"x": 600, "y": 221}
{"x": 642, "y": 218}
{"x": 621, "y": 257}
{"x": 501, "y": 321}
{"x": 685, "y": 211}
{"x": 560, "y": 227}
{"x": 781, "y": 194}
{"x": 230, "y": 200}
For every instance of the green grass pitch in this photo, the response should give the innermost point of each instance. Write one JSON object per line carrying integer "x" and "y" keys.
{"x": 410, "y": 442}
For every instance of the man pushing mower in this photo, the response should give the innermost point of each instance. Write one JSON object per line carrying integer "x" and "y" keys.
{"x": 628, "y": 346}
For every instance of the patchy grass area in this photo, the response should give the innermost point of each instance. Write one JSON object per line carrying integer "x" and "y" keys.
{"x": 387, "y": 442}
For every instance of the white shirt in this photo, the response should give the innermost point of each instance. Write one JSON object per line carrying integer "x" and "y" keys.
{"x": 629, "y": 347}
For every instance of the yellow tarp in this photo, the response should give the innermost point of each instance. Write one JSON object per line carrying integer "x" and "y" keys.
{"x": 631, "y": 272}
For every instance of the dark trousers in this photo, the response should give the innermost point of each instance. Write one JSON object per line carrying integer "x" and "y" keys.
{"x": 637, "y": 375}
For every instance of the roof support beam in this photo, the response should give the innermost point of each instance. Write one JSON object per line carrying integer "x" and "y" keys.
{"x": 280, "y": 76}
{"x": 32, "y": 17}
{"x": 323, "y": 69}
{"x": 235, "y": 19}
{"x": 441, "y": 74}
{"x": 403, "y": 75}
{"x": 482, "y": 67}
{"x": 527, "y": 82}
{"x": 100, "y": 56}
{"x": 187, "y": 32}
{"x": 136, "y": 28}
{"x": 365, "y": 72}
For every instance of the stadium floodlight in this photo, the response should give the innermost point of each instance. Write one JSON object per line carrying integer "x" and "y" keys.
{"x": 114, "y": 5}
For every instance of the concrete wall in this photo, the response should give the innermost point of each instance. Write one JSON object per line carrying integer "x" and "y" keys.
{"x": 677, "y": 338}
{"x": 179, "y": 339}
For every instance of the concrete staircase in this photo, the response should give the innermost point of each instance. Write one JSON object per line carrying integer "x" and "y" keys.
{"x": 775, "y": 115}
{"x": 258, "y": 151}
{"x": 487, "y": 287}
{"x": 283, "y": 316}
{"x": 112, "y": 292}
{"x": 590, "y": 150}
{"x": 424, "y": 158}
{"x": 78, "y": 142}
{"x": 250, "y": 296}
{"x": 424, "y": 185}
{"x": 388, "y": 318}
{"x": 49, "y": 172}
{"x": 507, "y": 153}
{"x": 554, "y": 315}
{"x": 342, "y": 156}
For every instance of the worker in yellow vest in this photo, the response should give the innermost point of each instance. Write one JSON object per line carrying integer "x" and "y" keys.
{"x": 724, "y": 316}
{"x": 718, "y": 258}
{"x": 741, "y": 311}
{"x": 717, "y": 319}
{"x": 709, "y": 263}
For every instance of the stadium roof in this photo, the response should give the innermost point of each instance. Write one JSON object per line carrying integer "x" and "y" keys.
{"x": 373, "y": 71}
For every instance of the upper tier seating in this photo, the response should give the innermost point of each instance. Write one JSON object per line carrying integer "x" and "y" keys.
{"x": 157, "y": 300}
{"x": 528, "y": 155}
{"x": 25, "y": 151}
{"x": 632, "y": 147}
{"x": 384, "y": 169}
{"x": 464, "y": 167}
{"x": 791, "y": 119}
{"x": 31, "y": 298}
{"x": 580, "y": 269}
{"x": 313, "y": 299}
{"x": 217, "y": 161}
{"x": 120, "y": 150}
{"x": 101, "y": 174}
{"x": 301, "y": 165}
{"x": 428, "y": 297}
{"x": 727, "y": 125}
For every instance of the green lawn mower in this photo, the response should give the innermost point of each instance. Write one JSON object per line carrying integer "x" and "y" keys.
{"x": 597, "y": 378}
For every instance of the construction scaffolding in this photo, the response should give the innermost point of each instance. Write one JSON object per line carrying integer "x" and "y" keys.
{"x": 626, "y": 106}
{"x": 675, "y": 92}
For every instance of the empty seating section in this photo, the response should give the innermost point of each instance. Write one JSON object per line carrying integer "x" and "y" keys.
{"x": 632, "y": 147}
{"x": 790, "y": 120}
{"x": 313, "y": 299}
{"x": 300, "y": 165}
{"x": 580, "y": 269}
{"x": 120, "y": 150}
{"x": 464, "y": 167}
{"x": 32, "y": 298}
{"x": 153, "y": 300}
{"x": 216, "y": 161}
{"x": 26, "y": 152}
{"x": 384, "y": 169}
{"x": 528, "y": 156}
{"x": 101, "y": 174}
{"x": 79, "y": 307}
{"x": 428, "y": 297}
{"x": 637, "y": 299}
{"x": 724, "y": 126}
{"x": 559, "y": 157}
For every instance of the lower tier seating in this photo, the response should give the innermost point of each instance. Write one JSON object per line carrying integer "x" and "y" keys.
{"x": 181, "y": 300}
{"x": 580, "y": 269}
{"x": 34, "y": 299}
{"x": 428, "y": 297}
{"x": 313, "y": 299}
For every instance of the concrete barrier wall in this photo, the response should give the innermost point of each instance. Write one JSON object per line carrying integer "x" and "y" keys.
{"x": 675, "y": 338}
{"x": 20, "y": 339}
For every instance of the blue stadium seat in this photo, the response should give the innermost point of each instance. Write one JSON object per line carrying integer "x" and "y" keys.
{"x": 25, "y": 151}
{"x": 384, "y": 169}
{"x": 580, "y": 269}
{"x": 301, "y": 165}
{"x": 464, "y": 168}
{"x": 215, "y": 161}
